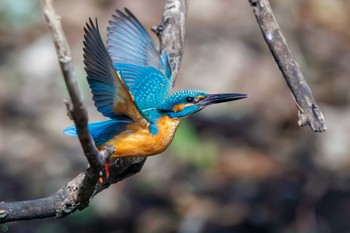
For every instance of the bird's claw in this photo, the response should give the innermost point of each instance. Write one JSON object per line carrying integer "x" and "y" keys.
{"x": 103, "y": 158}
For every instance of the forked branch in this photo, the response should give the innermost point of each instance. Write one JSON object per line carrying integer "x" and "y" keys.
{"x": 171, "y": 32}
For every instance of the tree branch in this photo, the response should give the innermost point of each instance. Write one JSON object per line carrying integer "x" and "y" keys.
{"x": 171, "y": 32}
{"x": 66, "y": 200}
{"x": 77, "y": 109}
{"x": 309, "y": 113}
{"x": 77, "y": 193}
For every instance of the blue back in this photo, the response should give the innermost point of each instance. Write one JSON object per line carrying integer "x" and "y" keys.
{"x": 149, "y": 90}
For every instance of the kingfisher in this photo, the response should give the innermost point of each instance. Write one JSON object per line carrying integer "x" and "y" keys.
{"x": 130, "y": 81}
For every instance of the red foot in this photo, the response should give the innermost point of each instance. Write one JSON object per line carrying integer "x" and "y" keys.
{"x": 107, "y": 165}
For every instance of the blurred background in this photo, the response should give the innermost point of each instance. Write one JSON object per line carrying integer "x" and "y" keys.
{"x": 238, "y": 167}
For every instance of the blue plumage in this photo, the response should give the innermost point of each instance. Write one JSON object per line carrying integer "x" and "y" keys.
{"x": 131, "y": 82}
{"x": 100, "y": 71}
{"x": 129, "y": 43}
{"x": 150, "y": 89}
{"x": 101, "y": 131}
{"x": 183, "y": 98}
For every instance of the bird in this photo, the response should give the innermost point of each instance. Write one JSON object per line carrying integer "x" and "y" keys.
{"x": 131, "y": 82}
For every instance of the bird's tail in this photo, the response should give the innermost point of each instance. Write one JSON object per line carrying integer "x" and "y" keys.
{"x": 71, "y": 131}
{"x": 101, "y": 131}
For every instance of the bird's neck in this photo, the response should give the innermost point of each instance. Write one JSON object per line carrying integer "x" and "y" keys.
{"x": 153, "y": 114}
{"x": 167, "y": 126}
{"x": 158, "y": 118}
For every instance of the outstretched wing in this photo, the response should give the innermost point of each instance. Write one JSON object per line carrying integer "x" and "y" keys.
{"x": 137, "y": 59}
{"x": 110, "y": 94}
{"x": 128, "y": 42}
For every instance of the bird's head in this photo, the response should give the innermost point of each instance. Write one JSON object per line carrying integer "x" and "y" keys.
{"x": 186, "y": 102}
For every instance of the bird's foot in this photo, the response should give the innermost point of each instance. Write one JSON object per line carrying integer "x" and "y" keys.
{"x": 107, "y": 173}
{"x": 107, "y": 166}
{"x": 103, "y": 157}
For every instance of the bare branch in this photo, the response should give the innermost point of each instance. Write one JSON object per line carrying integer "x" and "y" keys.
{"x": 309, "y": 113}
{"x": 77, "y": 110}
{"x": 78, "y": 192}
{"x": 66, "y": 200}
{"x": 171, "y": 32}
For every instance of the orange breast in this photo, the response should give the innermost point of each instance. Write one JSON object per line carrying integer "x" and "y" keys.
{"x": 137, "y": 141}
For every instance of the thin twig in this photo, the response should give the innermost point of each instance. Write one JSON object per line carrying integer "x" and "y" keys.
{"x": 77, "y": 110}
{"x": 309, "y": 113}
{"x": 171, "y": 32}
{"x": 77, "y": 194}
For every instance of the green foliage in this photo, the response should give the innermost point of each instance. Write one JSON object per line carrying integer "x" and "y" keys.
{"x": 188, "y": 147}
{"x": 4, "y": 228}
{"x": 19, "y": 14}
{"x": 83, "y": 217}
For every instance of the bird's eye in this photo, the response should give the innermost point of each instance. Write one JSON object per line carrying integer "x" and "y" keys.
{"x": 189, "y": 99}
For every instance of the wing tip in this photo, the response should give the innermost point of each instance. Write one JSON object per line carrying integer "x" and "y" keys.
{"x": 124, "y": 15}
{"x": 90, "y": 29}
{"x": 91, "y": 25}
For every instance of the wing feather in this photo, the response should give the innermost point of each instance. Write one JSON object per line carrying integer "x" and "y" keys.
{"x": 111, "y": 96}
{"x": 146, "y": 73}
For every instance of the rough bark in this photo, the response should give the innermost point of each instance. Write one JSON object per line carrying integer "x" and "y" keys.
{"x": 309, "y": 112}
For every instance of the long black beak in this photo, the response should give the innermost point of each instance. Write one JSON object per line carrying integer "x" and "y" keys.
{"x": 220, "y": 98}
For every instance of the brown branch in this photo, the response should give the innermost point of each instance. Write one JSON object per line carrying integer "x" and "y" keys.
{"x": 77, "y": 193}
{"x": 171, "y": 32}
{"x": 66, "y": 200}
{"x": 309, "y": 113}
{"x": 77, "y": 109}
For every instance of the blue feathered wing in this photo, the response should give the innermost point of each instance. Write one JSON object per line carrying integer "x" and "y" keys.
{"x": 110, "y": 94}
{"x": 144, "y": 70}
